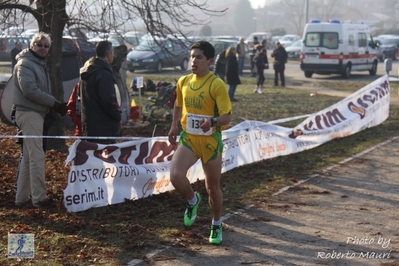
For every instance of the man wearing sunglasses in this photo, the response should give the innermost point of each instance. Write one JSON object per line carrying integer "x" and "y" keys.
{"x": 33, "y": 101}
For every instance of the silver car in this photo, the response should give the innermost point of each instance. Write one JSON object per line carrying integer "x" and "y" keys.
{"x": 288, "y": 39}
{"x": 222, "y": 44}
{"x": 294, "y": 50}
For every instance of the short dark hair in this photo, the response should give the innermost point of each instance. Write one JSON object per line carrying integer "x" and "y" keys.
{"x": 206, "y": 47}
{"x": 102, "y": 48}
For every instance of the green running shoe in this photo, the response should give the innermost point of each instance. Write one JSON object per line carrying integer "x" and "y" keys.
{"x": 191, "y": 212}
{"x": 216, "y": 236}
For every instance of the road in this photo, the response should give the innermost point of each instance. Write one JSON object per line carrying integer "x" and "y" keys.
{"x": 294, "y": 71}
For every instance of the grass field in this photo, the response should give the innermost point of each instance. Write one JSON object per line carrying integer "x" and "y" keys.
{"x": 116, "y": 234}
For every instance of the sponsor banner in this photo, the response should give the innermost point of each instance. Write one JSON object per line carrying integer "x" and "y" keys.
{"x": 362, "y": 109}
{"x": 109, "y": 174}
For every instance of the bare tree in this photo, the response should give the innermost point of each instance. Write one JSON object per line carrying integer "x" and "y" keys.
{"x": 295, "y": 10}
{"x": 294, "y": 13}
{"x": 328, "y": 9}
{"x": 158, "y": 17}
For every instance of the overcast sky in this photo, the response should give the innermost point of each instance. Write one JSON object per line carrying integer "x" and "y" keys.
{"x": 257, "y": 3}
{"x": 261, "y": 3}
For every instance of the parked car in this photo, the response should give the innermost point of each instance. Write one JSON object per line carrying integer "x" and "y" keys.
{"x": 274, "y": 40}
{"x": 29, "y": 33}
{"x": 154, "y": 55}
{"x": 12, "y": 31}
{"x": 388, "y": 47}
{"x": 7, "y": 43}
{"x": 226, "y": 37}
{"x": 223, "y": 44}
{"x": 261, "y": 36}
{"x": 288, "y": 39}
{"x": 294, "y": 50}
{"x": 132, "y": 38}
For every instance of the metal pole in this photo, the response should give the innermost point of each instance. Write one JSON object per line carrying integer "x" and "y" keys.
{"x": 307, "y": 12}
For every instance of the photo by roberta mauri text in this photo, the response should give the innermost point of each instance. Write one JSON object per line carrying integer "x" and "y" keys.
{"x": 374, "y": 248}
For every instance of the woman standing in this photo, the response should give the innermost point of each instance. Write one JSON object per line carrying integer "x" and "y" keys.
{"x": 232, "y": 78}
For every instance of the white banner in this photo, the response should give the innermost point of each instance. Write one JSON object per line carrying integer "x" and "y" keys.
{"x": 109, "y": 174}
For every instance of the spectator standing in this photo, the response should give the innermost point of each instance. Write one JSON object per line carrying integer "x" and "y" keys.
{"x": 220, "y": 64}
{"x": 33, "y": 100}
{"x": 240, "y": 55}
{"x": 280, "y": 59}
{"x": 119, "y": 67}
{"x": 49, "y": 119}
{"x": 16, "y": 50}
{"x": 100, "y": 114}
{"x": 232, "y": 77}
{"x": 203, "y": 108}
{"x": 74, "y": 103}
{"x": 253, "y": 53}
{"x": 74, "y": 109}
{"x": 261, "y": 63}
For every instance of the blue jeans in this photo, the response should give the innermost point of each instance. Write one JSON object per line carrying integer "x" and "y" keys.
{"x": 232, "y": 91}
{"x": 240, "y": 65}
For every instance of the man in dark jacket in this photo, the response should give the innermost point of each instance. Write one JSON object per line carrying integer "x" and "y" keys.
{"x": 16, "y": 50}
{"x": 280, "y": 59}
{"x": 220, "y": 64}
{"x": 101, "y": 115}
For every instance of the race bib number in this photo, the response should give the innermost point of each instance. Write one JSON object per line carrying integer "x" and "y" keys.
{"x": 193, "y": 125}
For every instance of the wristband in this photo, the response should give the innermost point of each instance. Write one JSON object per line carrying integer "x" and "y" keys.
{"x": 214, "y": 121}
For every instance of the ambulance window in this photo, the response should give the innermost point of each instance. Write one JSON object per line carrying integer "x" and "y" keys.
{"x": 351, "y": 40}
{"x": 362, "y": 39}
{"x": 312, "y": 39}
{"x": 330, "y": 40}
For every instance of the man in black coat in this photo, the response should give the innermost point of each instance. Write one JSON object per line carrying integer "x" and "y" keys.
{"x": 101, "y": 115}
{"x": 280, "y": 59}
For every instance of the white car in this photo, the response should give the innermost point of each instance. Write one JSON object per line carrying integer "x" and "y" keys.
{"x": 260, "y": 35}
{"x": 294, "y": 50}
{"x": 288, "y": 39}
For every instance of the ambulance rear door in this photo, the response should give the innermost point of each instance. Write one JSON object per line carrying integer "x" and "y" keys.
{"x": 321, "y": 46}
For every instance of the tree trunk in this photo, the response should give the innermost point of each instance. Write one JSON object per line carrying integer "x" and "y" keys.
{"x": 53, "y": 21}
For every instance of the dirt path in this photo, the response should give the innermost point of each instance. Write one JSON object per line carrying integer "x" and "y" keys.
{"x": 345, "y": 215}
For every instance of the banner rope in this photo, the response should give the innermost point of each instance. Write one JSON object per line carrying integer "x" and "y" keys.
{"x": 66, "y": 137}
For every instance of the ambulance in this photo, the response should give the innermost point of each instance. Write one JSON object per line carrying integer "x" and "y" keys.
{"x": 337, "y": 48}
